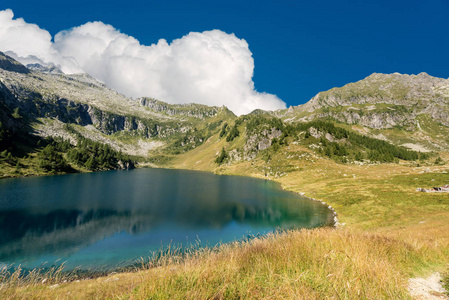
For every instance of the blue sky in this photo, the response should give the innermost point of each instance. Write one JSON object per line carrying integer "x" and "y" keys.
{"x": 299, "y": 47}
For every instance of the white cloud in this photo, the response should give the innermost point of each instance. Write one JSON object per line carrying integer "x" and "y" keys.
{"x": 28, "y": 43}
{"x": 212, "y": 67}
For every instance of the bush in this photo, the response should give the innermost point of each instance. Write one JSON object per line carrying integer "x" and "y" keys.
{"x": 233, "y": 134}
{"x": 50, "y": 160}
{"x": 222, "y": 156}
{"x": 438, "y": 161}
{"x": 224, "y": 130}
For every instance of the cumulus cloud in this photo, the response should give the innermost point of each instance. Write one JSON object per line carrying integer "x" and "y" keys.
{"x": 29, "y": 44}
{"x": 212, "y": 67}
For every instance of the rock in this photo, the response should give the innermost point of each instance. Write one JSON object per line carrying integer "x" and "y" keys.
{"x": 51, "y": 68}
{"x": 192, "y": 110}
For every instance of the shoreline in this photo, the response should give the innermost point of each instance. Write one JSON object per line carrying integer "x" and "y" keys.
{"x": 357, "y": 246}
{"x": 84, "y": 274}
{"x": 337, "y": 224}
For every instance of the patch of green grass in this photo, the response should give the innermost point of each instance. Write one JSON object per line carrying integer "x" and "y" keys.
{"x": 161, "y": 159}
{"x": 446, "y": 282}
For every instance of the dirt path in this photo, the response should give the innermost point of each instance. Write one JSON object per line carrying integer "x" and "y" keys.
{"x": 429, "y": 288}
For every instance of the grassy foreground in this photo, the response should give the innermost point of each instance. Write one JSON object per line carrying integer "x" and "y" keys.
{"x": 392, "y": 233}
{"x": 315, "y": 264}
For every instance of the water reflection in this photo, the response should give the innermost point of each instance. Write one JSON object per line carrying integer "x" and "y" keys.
{"x": 111, "y": 218}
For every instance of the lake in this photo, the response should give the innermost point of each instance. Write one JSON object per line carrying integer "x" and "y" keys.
{"x": 108, "y": 220}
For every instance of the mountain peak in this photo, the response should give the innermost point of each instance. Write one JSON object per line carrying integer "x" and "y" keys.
{"x": 397, "y": 75}
{"x": 384, "y": 101}
{"x": 52, "y": 69}
{"x": 423, "y": 74}
{"x": 9, "y": 64}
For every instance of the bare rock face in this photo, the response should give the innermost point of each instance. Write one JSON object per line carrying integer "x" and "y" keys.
{"x": 52, "y": 69}
{"x": 234, "y": 156}
{"x": 191, "y": 110}
{"x": 260, "y": 141}
{"x": 375, "y": 120}
{"x": 315, "y": 133}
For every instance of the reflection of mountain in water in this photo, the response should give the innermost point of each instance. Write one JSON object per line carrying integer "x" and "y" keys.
{"x": 54, "y": 216}
{"x": 62, "y": 232}
{"x": 59, "y": 232}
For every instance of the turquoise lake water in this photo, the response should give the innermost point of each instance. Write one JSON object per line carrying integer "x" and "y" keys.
{"x": 108, "y": 220}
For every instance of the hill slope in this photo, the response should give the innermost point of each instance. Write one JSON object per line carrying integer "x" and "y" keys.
{"x": 403, "y": 109}
{"x": 364, "y": 121}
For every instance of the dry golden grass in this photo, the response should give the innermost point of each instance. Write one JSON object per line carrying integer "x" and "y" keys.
{"x": 306, "y": 264}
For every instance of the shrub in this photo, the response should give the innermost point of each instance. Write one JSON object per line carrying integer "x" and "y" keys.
{"x": 222, "y": 156}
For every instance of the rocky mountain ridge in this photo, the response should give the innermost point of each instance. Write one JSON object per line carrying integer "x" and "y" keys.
{"x": 9, "y": 64}
{"x": 82, "y": 100}
{"x": 52, "y": 69}
{"x": 45, "y": 101}
{"x": 199, "y": 111}
{"x": 380, "y": 101}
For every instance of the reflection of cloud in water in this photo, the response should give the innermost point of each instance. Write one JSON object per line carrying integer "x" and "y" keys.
{"x": 60, "y": 215}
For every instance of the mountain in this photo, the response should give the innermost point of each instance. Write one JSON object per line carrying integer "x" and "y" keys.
{"x": 36, "y": 104}
{"x": 79, "y": 99}
{"x": 388, "y": 100}
{"x": 9, "y": 64}
{"x": 84, "y": 125}
{"x": 403, "y": 109}
{"x": 52, "y": 69}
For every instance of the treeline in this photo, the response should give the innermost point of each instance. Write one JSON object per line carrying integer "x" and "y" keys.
{"x": 221, "y": 157}
{"x": 344, "y": 145}
{"x": 96, "y": 156}
{"x": 254, "y": 123}
{"x": 196, "y": 137}
{"x": 88, "y": 154}
{"x": 5, "y": 145}
{"x": 51, "y": 160}
{"x": 357, "y": 146}
{"x": 92, "y": 155}
{"x": 231, "y": 133}
{"x": 348, "y": 145}
{"x": 15, "y": 144}
{"x": 5, "y": 138}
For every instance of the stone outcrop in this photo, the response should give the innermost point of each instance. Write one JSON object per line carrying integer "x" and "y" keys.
{"x": 190, "y": 110}
{"x": 52, "y": 69}
{"x": 259, "y": 141}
